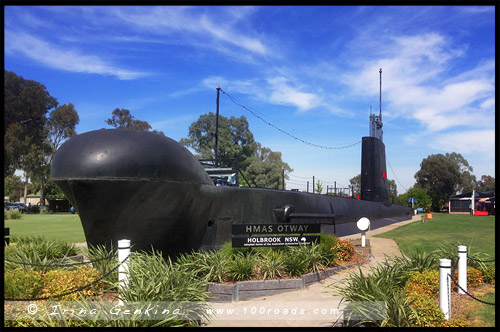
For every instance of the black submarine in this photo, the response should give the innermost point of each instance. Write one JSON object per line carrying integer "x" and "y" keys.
{"x": 146, "y": 187}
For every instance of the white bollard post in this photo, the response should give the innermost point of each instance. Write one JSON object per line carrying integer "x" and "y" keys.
{"x": 445, "y": 287}
{"x": 462, "y": 269}
{"x": 363, "y": 241}
{"x": 123, "y": 252}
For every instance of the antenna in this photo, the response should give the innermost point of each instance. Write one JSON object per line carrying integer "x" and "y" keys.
{"x": 380, "y": 71}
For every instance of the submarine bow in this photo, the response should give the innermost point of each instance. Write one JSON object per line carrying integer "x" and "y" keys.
{"x": 148, "y": 188}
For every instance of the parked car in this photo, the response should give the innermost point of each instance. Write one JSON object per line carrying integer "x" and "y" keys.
{"x": 21, "y": 206}
{"x": 9, "y": 206}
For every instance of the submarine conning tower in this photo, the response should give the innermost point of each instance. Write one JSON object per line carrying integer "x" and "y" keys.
{"x": 373, "y": 164}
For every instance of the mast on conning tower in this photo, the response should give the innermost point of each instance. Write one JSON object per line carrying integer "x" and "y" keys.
{"x": 376, "y": 121}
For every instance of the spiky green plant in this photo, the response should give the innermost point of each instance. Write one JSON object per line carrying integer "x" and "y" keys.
{"x": 271, "y": 266}
{"x": 104, "y": 260}
{"x": 37, "y": 250}
{"x": 296, "y": 261}
{"x": 209, "y": 265}
{"x": 242, "y": 267}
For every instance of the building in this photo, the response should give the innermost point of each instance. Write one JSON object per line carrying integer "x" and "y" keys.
{"x": 33, "y": 199}
{"x": 484, "y": 203}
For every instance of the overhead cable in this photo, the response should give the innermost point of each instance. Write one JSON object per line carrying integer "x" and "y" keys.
{"x": 285, "y": 132}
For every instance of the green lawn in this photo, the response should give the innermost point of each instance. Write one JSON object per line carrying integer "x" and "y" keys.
{"x": 479, "y": 231}
{"x": 60, "y": 226}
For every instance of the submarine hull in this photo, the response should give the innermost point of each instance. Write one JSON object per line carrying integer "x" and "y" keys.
{"x": 148, "y": 188}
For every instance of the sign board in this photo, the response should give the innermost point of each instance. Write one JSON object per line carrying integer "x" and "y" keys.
{"x": 276, "y": 234}
{"x": 273, "y": 240}
{"x": 276, "y": 228}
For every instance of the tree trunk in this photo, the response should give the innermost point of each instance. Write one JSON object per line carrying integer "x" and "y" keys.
{"x": 42, "y": 196}
{"x": 25, "y": 187}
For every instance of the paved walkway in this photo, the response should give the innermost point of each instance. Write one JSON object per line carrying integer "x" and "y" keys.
{"x": 312, "y": 295}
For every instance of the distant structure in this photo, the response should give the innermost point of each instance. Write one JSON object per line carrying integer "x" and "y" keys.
{"x": 373, "y": 165}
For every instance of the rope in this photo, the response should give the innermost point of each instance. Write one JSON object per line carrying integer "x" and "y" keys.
{"x": 59, "y": 265}
{"x": 475, "y": 298}
{"x": 70, "y": 292}
{"x": 283, "y": 131}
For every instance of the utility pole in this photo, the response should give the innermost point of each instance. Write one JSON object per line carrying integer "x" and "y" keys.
{"x": 283, "y": 176}
{"x": 314, "y": 184}
{"x": 307, "y": 186}
{"x": 217, "y": 129}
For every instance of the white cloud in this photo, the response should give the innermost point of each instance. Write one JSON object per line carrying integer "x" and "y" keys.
{"x": 417, "y": 85}
{"x": 64, "y": 59}
{"x": 283, "y": 93}
{"x": 488, "y": 104}
{"x": 466, "y": 142}
{"x": 174, "y": 122}
{"x": 196, "y": 27}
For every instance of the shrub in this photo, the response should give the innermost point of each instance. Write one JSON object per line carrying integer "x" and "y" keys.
{"x": 22, "y": 283}
{"x": 345, "y": 250}
{"x": 99, "y": 256}
{"x": 14, "y": 214}
{"x": 61, "y": 281}
{"x": 424, "y": 283}
{"x": 152, "y": 278}
{"x": 328, "y": 240}
{"x": 228, "y": 250}
{"x": 428, "y": 312}
{"x": 474, "y": 260}
{"x": 36, "y": 250}
{"x": 319, "y": 257}
{"x": 271, "y": 266}
{"x": 209, "y": 265}
{"x": 242, "y": 267}
{"x": 488, "y": 275}
{"x": 296, "y": 261}
{"x": 474, "y": 277}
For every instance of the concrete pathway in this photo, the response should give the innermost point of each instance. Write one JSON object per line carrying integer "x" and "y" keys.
{"x": 315, "y": 297}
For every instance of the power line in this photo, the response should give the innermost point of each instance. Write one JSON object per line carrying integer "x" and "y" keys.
{"x": 395, "y": 175}
{"x": 300, "y": 177}
{"x": 285, "y": 132}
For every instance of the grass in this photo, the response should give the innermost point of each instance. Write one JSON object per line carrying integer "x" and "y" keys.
{"x": 476, "y": 231}
{"x": 485, "y": 312}
{"x": 56, "y": 226}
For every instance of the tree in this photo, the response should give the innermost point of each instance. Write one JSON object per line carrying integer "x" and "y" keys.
{"x": 60, "y": 126}
{"x": 392, "y": 190}
{"x": 356, "y": 184}
{"x": 235, "y": 138}
{"x": 422, "y": 199}
{"x": 12, "y": 187}
{"x": 466, "y": 182}
{"x": 319, "y": 187}
{"x": 121, "y": 118}
{"x": 442, "y": 176}
{"x": 26, "y": 104}
{"x": 266, "y": 168}
{"x": 486, "y": 183}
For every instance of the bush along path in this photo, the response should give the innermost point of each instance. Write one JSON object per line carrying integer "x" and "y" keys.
{"x": 409, "y": 287}
{"x": 314, "y": 300}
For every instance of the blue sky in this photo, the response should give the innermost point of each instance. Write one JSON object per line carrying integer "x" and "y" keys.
{"x": 311, "y": 71}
